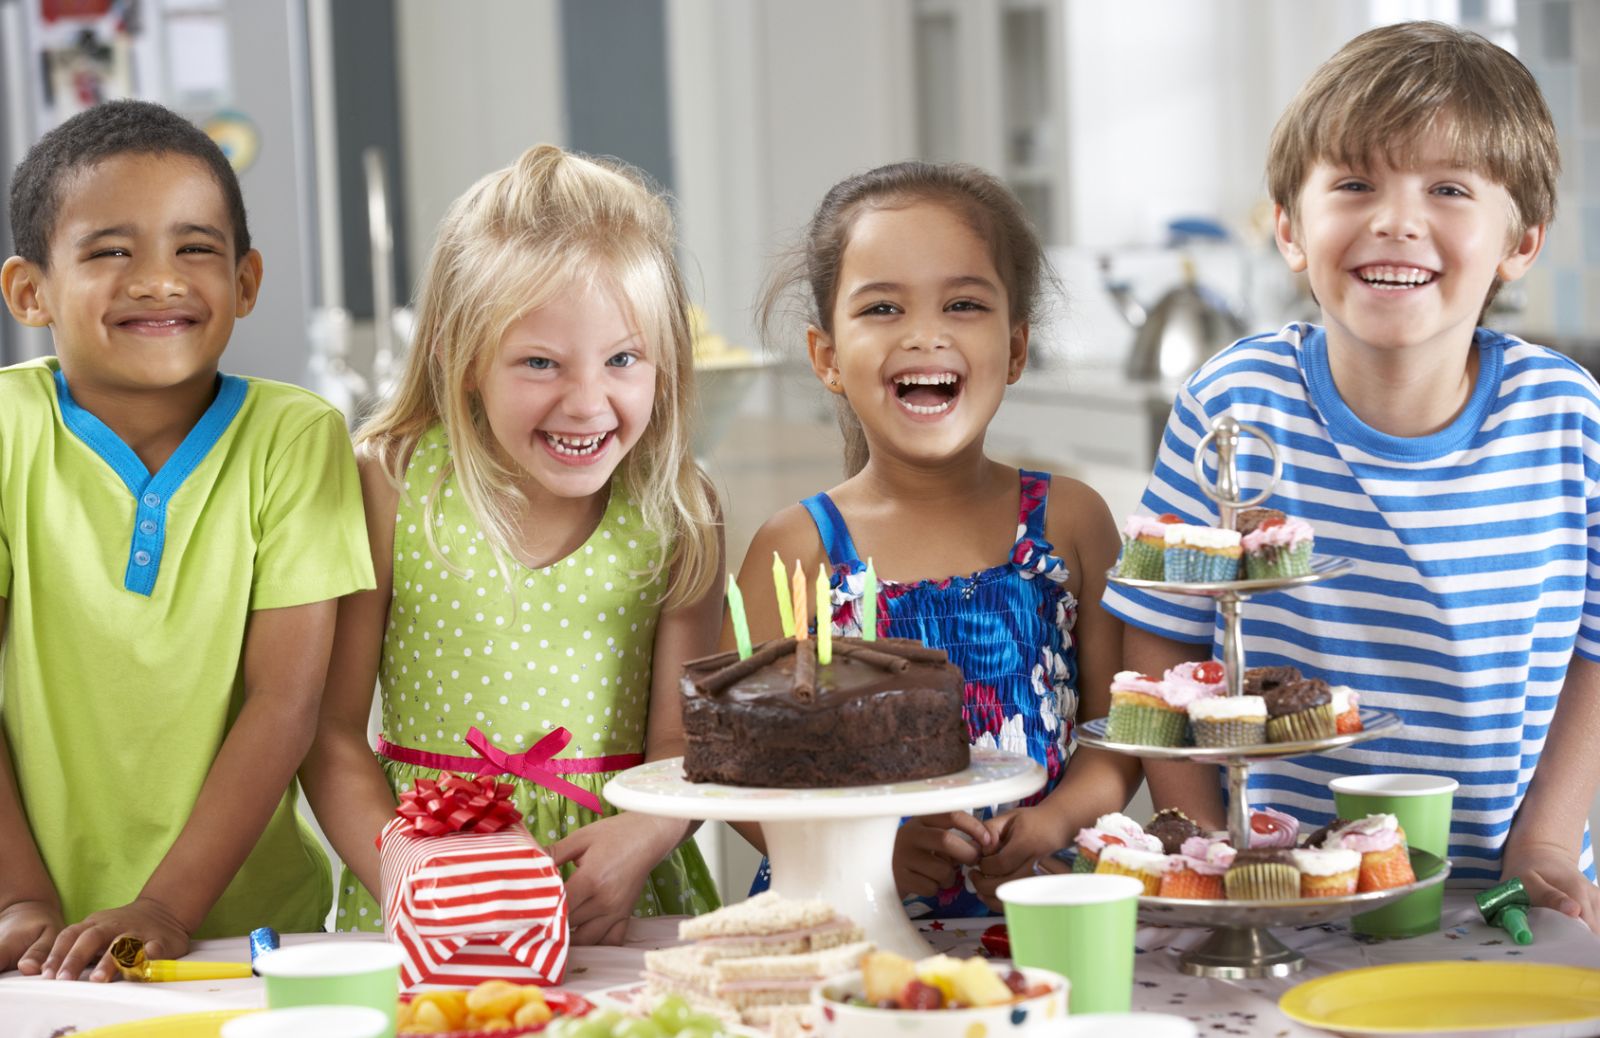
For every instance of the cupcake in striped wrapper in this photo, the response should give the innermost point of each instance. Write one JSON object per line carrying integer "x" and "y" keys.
{"x": 1275, "y": 546}
{"x": 1144, "y": 866}
{"x": 1141, "y": 715}
{"x": 1197, "y": 872}
{"x": 1385, "y": 859}
{"x": 1202, "y": 554}
{"x": 1346, "y": 710}
{"x": 1144, "y": 546}
{"x": 1262, "y": 875}
{"x": 1327, "y": 873}
{"x": 1300, "y": 711}
{"x": 1224, "y": 721}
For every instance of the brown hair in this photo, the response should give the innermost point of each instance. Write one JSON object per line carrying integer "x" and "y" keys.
{"x": 1382, "y": 93}
{"x": 977, "y": 197}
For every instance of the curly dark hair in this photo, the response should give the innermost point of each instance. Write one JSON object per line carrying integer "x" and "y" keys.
{"x": 89, "y": 138}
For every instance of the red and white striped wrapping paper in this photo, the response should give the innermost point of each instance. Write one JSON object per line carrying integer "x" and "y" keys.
{"x": 470, "y": 907}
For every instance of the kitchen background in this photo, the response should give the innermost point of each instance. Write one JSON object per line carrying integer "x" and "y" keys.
{"x": 1134, "y": 132}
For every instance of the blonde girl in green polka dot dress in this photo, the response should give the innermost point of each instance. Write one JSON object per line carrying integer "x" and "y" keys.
{"x": 547, "y": 549}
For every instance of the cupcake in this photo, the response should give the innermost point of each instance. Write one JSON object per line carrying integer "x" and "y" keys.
{"x": 1327, "y": 873}
{"x": 1299, "y": 711}
{"x": 1277, "y": 547}
{"x": 1385, "y": 860}
{"x": 1250, "y": 518}
{"x": 1172, "y": 827}
{"x": 1272, "y": 829}
{"x": 1346, "y": 710}
{"x": 1194, "y": 680}
{"x": 1141, "y": 715}
{"x": 1258, "y": 681}
{"x": 1144, "y": 546}
{"x": 1228, "y": 721}
{"x": 1320, "y": 838}
{"x": 1197, "y": 872}
{"x": 1262, "y": 875}
{"x": 1144, "y": 866}
{"x": 1112, "y": 830}
{"x": 1202, "y": 554}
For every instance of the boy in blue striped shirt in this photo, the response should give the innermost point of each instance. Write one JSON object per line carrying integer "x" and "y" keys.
{"x": 1458, "y": 467}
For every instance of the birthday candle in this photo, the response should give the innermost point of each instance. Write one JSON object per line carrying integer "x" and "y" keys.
{"x": 799, "y": 591}
{"x": 869, "y": 605}
{"x": 824, "y": 619}
{"x": 741, "y": 626}
{"x": 785, "y": 608}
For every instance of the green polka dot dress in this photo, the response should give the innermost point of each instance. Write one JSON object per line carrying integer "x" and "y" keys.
{"x": 569, "y": 645}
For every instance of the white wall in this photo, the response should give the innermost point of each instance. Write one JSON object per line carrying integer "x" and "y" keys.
{"x": 479, "y": 84}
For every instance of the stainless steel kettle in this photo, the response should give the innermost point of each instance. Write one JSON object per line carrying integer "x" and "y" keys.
{"x": 1178, "y": 334}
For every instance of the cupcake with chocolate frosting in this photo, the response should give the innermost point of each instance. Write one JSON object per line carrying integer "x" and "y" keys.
{"x": 1172, "y": 827}
{"x": 1300, "y": 711}
{"x": 1262, "y": 875}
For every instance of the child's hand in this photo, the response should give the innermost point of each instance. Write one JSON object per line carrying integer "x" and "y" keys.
{"x": 81, "y": 944}
{"x": 928, "y": 851}
{"x": 1020, "y": 837}
{"x": 27, "y": 930}
{"x": 1552, "y": 879}
{"x": 611, "y": 859}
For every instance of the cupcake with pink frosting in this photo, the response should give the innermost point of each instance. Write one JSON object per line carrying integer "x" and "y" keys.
{"x": 1269, "y": 828}
{"x": 1144, "y": 546}
{"x": 1197, "y": 871}
{"x": 1276, "y": 546}
{"x": 1385, "y": 858}
{"x": 1142, "y": 712}
{"x": 1112, "y": 830}
{"x": 1194, "y": 679}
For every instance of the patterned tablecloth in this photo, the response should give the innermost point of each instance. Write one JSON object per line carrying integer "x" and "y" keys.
{"x": 32, "y": 1008}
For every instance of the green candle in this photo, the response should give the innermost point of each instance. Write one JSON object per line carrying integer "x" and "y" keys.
{"x": 741, "y": 626}
{"x": 869, "y": 605}
{"x": 824, "y": 619}
{"x": 780, "y": 581}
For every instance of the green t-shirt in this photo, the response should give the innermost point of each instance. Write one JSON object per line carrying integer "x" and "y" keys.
{"x": 128, "y": 598}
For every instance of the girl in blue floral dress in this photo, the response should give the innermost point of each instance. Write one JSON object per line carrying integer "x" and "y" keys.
{"x": 921, "y": 284}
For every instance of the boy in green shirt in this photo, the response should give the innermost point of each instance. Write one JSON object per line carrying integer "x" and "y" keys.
{"x": 172, "y": 543}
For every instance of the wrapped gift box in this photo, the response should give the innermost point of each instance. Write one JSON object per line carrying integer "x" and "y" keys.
{"x": 468, "y": 893}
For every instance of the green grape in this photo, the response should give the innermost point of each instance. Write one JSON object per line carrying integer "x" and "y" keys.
{"x": 705, "y": 1022}
{"x": 595, "y": 1025}
{"x": 701, "y": 1029}
{"x": 671, "y": 1014}
{"x": 636, "y": 1028}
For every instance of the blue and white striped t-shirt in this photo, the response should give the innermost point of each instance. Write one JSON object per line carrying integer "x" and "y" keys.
{"x": 1477, "y": 576}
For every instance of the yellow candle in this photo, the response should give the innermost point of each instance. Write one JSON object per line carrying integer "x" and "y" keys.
{"x": 741, "y": 626}
{"x": 869, "y": 605}
{"x": 824, "y": 619}
{"x": 798, "y": 587}
{"x": 785, "y": 608}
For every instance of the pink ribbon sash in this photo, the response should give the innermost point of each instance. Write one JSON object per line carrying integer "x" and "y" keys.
{"x": 537, "y": 765}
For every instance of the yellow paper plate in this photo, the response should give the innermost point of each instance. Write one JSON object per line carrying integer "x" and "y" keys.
{"x": 1467, "y": 998}
{"x": 183, "y": 1025}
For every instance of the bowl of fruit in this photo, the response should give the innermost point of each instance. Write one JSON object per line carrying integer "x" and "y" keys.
{"x": 671, "y": 1017}
{"x": 494, "y": 1007}
{"x": 938, "y": 997}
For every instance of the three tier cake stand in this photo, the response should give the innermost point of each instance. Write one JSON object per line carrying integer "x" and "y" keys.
{"x": 1240, "y": 945}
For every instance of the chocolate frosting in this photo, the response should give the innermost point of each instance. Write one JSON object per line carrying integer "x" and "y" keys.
{"x": 1258, "y": 681}
{"x": 1295, "y": 696}
{"x": 1317, "y": 838}
{"x": 1264, "y": 856}
{"x": 1172, "y": 827}
{"x": 1247, "y": 520}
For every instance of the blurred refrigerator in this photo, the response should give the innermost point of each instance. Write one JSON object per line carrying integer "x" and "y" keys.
{"x": 237, "y": 68}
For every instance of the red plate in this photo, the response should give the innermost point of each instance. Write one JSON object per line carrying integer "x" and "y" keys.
{"x": 561, "y": 1003}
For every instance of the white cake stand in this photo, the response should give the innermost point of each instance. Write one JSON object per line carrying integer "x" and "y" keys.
{"x": 834, "y": 844}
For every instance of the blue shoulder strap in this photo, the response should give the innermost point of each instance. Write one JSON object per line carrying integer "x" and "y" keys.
{"x": 830, "y": 526}
{"x": 1032, "y": 517}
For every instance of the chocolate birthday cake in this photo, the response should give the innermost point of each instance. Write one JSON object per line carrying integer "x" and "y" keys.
{"x": 882, "y": 711}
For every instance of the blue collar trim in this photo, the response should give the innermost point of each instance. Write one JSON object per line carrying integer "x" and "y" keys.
{"x": 152, "y": 492}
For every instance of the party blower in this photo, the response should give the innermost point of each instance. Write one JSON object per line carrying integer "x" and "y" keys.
{"x": 1506, "y": 906}
{"x": 127, "y": 952}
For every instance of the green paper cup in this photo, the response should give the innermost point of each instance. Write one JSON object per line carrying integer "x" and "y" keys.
{"x": 334, "y": 973}
{"x": 1422, "y": 804}
{"x": 1080, "y": 926}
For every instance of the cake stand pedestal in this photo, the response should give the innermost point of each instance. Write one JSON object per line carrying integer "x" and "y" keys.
{"x": 834, "y": 844}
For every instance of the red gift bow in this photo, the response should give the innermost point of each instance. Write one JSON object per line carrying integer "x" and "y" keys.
{"x": 530, "y": 765}
{"x": 455, "y": 804}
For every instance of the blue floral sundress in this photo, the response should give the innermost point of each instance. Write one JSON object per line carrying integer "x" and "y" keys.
{"x": 1010, "y": 630}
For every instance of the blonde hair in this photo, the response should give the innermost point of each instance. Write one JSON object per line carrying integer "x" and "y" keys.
{"x": 508, "y": 246}
{"x": 1385, "y": 90}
